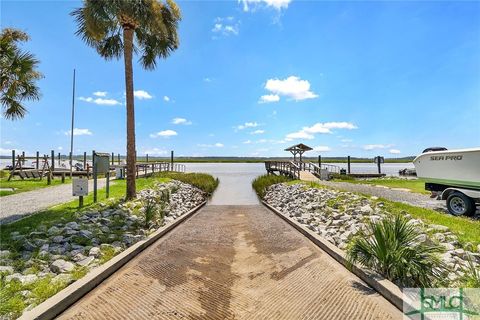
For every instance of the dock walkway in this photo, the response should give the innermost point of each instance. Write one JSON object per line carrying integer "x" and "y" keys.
{"x": 233, "y": 262}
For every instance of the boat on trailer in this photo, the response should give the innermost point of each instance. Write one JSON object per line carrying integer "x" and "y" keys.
{"x": 452, "y": 175}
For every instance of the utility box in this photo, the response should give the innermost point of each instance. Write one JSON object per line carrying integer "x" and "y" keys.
{"x": 101, "y": 162}
{"x": 120, "y": 173}
{"x": 79, "y": 187}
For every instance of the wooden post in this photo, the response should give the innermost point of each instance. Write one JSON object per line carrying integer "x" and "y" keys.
{"x": 113, "y": 158}
{"x": 53, "y": 160}
{"x": 38, "y": 159}
{"x": 23, "y": 158}
{"x": 118, "y": 156}
{"x": 49, "y": 178}
{"x": 80, "y": 201}
{"x": 171, "y": 159}
{"x": 348, "y": 164}
{"x": 94, "y": 177}
{"x": 59, "y": 159}
{"x": 107, "y": 188}
{"x": 379, "y": 165}
{"x": 147, "y": 157}
{"x": 85, "y": 161}
{"x": 320, "y": 162}
{"x": 63, "y": 177}
{"x": 13, "y": 158}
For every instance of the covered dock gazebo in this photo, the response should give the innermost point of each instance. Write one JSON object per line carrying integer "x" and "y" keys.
{"x": 298, "y": 149}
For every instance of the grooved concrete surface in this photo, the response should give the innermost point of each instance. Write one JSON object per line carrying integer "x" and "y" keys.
{"x": 233, "y": 262}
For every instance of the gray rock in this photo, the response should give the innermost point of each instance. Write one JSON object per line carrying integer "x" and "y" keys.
{"x": 64, "y": 278}
{"x": 85, "y": 234}
{"x": 27, "y": 245}
{"x": 61, "y": 266}
{"x": 86, "y": 261}
{"x": 24, "y": 279}
{"x": 6, "y": 269}
{"x": 436, "y": 227}
{"x": 58, "y": 239}
{"x": 4, "y": 253}
{"x": 78, "y": 257}
{"x": 95, "y": 252}
{"x": 53, "y": 231}
{"x": 73, "y": 225}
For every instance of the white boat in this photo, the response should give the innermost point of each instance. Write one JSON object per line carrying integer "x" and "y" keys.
{"x": 456, "y": 168}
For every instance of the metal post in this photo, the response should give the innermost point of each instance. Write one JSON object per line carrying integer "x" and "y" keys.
{"x": 348, "y": 164}
{"x": 53, "y": 160}
{"x": 72, "y": 126}
{"x": 38, "y": 159}
{"x": 13, "y": 158}
{"x": 171, "y": 159}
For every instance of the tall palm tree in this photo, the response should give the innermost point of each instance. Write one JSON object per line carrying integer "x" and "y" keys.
{"x": 116, "y": 27}
{"x": 18, "y": 74}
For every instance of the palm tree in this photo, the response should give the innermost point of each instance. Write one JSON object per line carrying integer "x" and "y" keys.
{"x": 116, "y": 27}
{"x": 18, "y": 74}
{"x": 392, "y": 248}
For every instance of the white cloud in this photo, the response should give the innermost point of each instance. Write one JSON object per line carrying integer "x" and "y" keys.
{"x": 319, "y": 127}
{"x": 164, "y": 133}
{"x": 278, "y": 5}
{"x": 216, "y": 145}
{"x": 79, "y": 132}
{"x": 322, "y": 148}
{"x": 225, "y": 27}
{"x": 268, "y": 98}
{"x": 394, "y": 151}
{"x": 258, "y": 132}
{"x": 247, "y": 142}
{"x": 100, "y": 93}
{"x": 155, "y": 152}
{"x": 346, "y": 140}
{"x": 142, "y": 94}
{"x": 369, "y": 147}
{"x": 247, "y": 125}
{"x": 8, "y": 152}
{"x": 299, "y": 135}
{"x": 181, "y": 121}
{"x": 292, "y": 87}
{"x": 101, "y": 101}
{"x": 166, "y": 98}
{"x": 59, "y": 148}
{"x": 207, "y": 79}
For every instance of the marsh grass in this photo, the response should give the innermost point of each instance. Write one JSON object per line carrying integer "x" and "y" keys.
{"x": 202, "y": 181}
{"x": 261, "y": 183}
{"x": 414, "y": 185}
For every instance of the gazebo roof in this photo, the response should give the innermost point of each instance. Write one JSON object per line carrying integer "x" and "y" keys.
{"x": 299, "y": 147}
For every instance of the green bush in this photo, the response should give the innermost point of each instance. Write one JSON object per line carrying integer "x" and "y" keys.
{"x": 391, "y": 248}
{"x": 203, "y": 181}
{"x": 261, "y": 183}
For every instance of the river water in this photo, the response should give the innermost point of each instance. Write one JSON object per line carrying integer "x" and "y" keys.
{"x": 235, "y": 186}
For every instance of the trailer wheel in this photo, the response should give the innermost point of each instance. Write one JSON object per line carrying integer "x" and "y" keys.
{"x": 459, "y": 204}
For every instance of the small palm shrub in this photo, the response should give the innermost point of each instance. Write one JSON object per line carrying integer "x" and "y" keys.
{"x": 391, "y": 248}
{"x": 261, "y": 183}
{"x": 154, "y": 202}
{"x": 471, "y": 278}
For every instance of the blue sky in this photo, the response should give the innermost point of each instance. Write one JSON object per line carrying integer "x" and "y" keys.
{"x": 251, "y": 78}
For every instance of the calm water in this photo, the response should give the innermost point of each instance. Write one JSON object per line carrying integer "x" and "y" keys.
{"x": 236, "y": 178}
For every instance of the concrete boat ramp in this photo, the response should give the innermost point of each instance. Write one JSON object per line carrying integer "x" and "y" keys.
{"x": 233, "y": 262}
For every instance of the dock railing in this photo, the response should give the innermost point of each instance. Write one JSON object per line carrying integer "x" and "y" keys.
{"x": 293, "y": 168}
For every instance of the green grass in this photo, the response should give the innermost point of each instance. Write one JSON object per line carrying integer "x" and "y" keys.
{"x": 26, "y": 185}
{"x": 261, "y": 183}
{"x": 414, "y": 185}
{"x": 67, "y": 212}
{"x": 203, "y": 181}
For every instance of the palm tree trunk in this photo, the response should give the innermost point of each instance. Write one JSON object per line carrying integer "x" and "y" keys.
{"x": 131, "y": 150}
